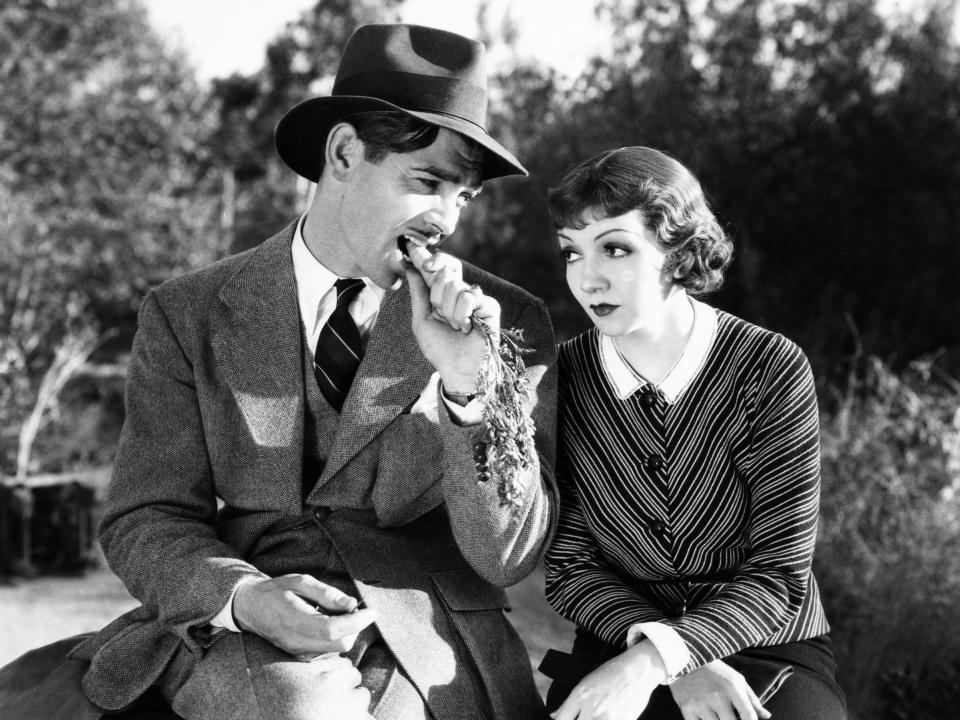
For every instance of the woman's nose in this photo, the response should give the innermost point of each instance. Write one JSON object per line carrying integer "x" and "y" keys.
{"x": 592, "y": 278}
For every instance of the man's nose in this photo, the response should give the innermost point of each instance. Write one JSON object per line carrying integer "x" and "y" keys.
{"x": 445, "y": 214}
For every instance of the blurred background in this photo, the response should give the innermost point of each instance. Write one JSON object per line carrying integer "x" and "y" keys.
{"x": 136, "y": 143}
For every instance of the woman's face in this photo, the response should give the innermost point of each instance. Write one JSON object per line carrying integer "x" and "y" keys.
{"x": 615, "y": 271}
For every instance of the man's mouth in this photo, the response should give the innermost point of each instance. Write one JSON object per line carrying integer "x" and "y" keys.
{"x": 408, "y": 241}
{"x": 603, "y": 309}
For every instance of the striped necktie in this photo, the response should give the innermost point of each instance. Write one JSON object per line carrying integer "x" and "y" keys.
{"x": 337, "y": 357}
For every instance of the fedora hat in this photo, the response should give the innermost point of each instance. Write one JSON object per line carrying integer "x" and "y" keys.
{"x": 433, "y": 75}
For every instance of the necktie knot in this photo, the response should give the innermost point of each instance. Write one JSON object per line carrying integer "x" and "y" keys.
{"x": 347, "y": 290}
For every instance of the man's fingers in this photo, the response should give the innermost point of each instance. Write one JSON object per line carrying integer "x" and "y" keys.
{"x": 329, "y": 599}
{"x": 466, "y": 303}
{"x": 419, "y": 256}
{"x": 343, "y": 625}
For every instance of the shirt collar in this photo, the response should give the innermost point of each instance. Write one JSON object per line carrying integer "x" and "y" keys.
{"x": 314, "y": 279}
{"x": 626, "y": 381}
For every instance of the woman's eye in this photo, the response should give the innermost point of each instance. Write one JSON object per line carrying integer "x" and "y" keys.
{"x": 615, "y": 251}
{"x": 569, "y": 255}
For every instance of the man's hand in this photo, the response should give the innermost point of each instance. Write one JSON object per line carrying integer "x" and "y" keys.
{"x": 300, "y": 615}
{"x": 716, "y": 691}
{"x": 617, "y": 690}
{"x": 443, "y": 307}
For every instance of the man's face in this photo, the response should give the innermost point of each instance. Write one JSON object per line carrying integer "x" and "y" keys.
{"x": 416, "y": 195}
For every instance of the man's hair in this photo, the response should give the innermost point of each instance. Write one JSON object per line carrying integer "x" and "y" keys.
{"x": 666, "y": 194}
{"x": 385, "y": 131}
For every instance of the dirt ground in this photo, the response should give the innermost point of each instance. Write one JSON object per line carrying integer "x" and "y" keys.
{"x": 41, "y": 610}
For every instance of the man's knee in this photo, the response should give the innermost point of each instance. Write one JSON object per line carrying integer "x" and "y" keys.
{"x": 243, "y": 676}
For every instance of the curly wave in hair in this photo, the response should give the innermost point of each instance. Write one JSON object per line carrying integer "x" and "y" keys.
{"x": 669, "y": 198}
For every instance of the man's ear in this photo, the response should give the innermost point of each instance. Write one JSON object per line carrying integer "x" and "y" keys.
{"x": 344, "y": 150}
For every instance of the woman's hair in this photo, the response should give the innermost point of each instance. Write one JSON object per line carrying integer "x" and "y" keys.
{"x": 669, "y": 198}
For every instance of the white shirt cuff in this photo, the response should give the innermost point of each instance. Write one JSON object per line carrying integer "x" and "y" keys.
{"x": 224, "y": 618}
{"x": 673, "y": 650}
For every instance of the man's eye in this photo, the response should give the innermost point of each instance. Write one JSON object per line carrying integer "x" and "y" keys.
{"x": 465, "y": 199}
{"x": 429, "y": 183}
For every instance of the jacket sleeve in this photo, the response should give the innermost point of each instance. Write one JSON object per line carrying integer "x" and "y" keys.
{"x": 503, "y": 545}
{"x": 157, "y": 531}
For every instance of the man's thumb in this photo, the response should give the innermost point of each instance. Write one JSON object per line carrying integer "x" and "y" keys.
{"x": 419, "y": 294}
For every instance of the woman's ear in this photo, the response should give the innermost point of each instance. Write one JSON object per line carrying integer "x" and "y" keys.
{"x": 344, "y": 150}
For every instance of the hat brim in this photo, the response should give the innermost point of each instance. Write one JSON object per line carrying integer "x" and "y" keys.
{"x": 301, "y": 134}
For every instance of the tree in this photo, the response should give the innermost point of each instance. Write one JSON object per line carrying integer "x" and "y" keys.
{"x": 260, "y": 193}
{"x": 101, "y": 142}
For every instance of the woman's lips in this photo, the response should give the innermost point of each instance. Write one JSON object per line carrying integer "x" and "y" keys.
{"x": 603, "y": 309}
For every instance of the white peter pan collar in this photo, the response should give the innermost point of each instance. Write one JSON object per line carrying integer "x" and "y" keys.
{"x": 626, "y": 381}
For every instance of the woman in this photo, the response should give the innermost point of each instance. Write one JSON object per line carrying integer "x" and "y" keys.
{"x": 689, "y": 470}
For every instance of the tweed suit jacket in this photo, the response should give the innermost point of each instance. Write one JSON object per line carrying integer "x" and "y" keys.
{"x": 211, "y": 460}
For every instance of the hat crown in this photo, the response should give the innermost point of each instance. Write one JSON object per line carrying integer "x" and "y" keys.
{"x": 435, "y": 76}
{"x": 412, "y": 49}
{"x": 416, "y": 68}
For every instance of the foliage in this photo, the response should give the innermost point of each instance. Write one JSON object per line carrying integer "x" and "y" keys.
{"x": 260, "y": 194}
{"x": 827, "y": 137}
{"x": 101, "y": 132}
{"x": 888, "y": 556}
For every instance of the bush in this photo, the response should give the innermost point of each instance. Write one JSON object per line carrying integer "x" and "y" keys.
{"x": 888, "y": 557}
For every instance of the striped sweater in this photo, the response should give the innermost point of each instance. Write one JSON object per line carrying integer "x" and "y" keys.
{"x": 699, "y": 512}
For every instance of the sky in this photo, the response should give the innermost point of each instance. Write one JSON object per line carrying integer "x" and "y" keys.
{"x": 226, "y": 36}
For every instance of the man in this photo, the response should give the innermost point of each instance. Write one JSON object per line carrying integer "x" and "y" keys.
{"x": 358, "y": 514}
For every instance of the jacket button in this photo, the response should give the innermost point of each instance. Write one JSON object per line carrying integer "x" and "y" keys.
{"x": 480, "y": 452}
{"x": 321, "y": 513}
{"x": 654, "y": 463}
{"x": 483, "y": 476}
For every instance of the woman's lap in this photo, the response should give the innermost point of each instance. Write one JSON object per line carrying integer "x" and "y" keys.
{"x": 809, "y": 693}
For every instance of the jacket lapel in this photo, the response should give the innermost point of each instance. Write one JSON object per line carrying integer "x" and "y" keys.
{"x": 390, "y": 378}
{"x": 258, "y": 350}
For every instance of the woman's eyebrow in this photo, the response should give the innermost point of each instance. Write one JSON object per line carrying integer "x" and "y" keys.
{"x": 613, "y": 230}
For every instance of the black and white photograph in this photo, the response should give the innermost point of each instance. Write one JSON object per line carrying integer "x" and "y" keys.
{"x": 479, "y": 360}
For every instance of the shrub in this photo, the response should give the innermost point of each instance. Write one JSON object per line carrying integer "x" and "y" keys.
{"x": 888, "y": 557}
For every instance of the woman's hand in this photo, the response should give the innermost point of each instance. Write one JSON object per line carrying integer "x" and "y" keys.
{"x": 617, "y": 690}
{"x": 716, "y": 691}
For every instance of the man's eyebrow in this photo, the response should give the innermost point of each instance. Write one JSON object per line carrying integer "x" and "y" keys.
{"x": 449, "y": 176}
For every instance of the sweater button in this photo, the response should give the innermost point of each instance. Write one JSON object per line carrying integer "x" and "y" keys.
{"x": 675, "y": 611}
{"x": 654, "y": 463}
{"x": 648, "y": 396}
{"x": 658, "y": 528}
